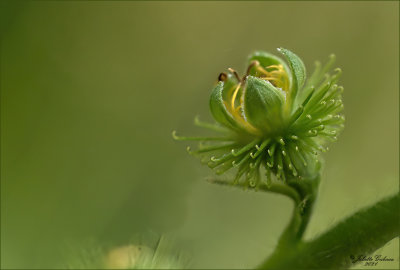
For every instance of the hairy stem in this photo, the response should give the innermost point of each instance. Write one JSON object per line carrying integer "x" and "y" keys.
{"x": 361, "y": 234}
{"x": 291, "y": 237}
{"x": 273, "y": 188}
{"x": 301, "y": 212}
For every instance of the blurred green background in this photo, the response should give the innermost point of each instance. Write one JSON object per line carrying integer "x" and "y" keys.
{"x": 90, "y": 92}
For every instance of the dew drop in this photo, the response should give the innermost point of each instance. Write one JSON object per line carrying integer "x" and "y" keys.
{"x": 312, "y": 132}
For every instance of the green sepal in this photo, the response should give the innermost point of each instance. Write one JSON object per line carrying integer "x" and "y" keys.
{"x": 263, "y": 104}
{"x": 298, "y": 72}
{"x": 265, "y": 59}
{"x": 306, "y": 164}
{"x": 218, "y": 109}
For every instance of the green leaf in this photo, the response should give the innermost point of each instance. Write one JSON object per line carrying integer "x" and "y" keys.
{"x": 263, "y": 104}
{"x": 218, "y": 109}
{"x": 298, "y": 71}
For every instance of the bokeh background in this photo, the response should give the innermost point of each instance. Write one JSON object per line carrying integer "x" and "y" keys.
{"x": 90, "y": 92}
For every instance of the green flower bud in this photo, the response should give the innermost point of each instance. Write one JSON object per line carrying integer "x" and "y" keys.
{"x": 273, "y": 119}
{"x": 263, "y": 105}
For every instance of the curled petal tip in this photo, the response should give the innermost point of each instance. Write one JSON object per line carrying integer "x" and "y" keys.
{"x": 338, "y": 70}
{"x": 174, "y": 136}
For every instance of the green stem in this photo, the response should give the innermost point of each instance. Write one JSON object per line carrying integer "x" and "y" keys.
{"x": 361, "y": 234}
{"x": 289, "y": 236}
{"x": 306, "y": 190}
{"x": 306, "y": 212}
{"x": 300, "y": 214}
{"x": 273, "y": 188}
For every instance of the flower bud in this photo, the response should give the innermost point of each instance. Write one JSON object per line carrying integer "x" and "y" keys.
{"x": 272, "y": 118}
{"x": 263, "y": 105}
